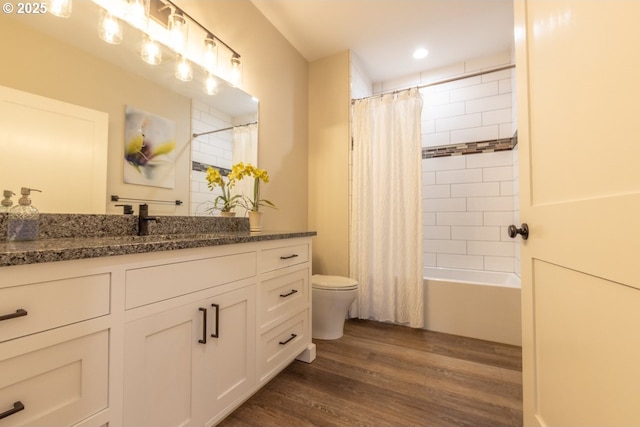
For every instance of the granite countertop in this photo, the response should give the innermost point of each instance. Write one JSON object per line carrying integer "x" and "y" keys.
{"x": 65, "y": 249}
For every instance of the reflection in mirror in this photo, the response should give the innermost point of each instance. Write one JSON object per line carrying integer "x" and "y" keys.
{"x": 42, "y": 65}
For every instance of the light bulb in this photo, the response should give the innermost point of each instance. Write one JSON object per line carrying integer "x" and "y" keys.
{"x": 210, "y": 54}
{"x": 178, "y": 31}
{"x": 211, "y": 85}
{"x": 109, "y": 28}
{"x": 150, "y": 52}
{"x": 236, "y": 71}
{"x": 183, "y": 69}
{"x": 61, "y": 8}
{"x": 138, "y": 13}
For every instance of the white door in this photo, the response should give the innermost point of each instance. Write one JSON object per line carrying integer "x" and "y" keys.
{"x": 579, "y": 130}
{"x": 56, "y": 147}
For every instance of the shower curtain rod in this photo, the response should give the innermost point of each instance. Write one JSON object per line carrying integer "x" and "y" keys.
{"x": 439, "y": 82}
{"x": 195, "y": 135}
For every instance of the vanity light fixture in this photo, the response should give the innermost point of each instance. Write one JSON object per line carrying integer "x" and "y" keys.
{"x": 210, "y": 54}
{"x": 61, "y": 8}
{"x": 211, "y": 85}
{"x": 184, "y": 71}
{"x": 236, "y": 71}
{"x": 151, "y": 52}
{"x": 170, "y": 27}
{"x": 109, "y": 28}
{"x": 179, "y": 32}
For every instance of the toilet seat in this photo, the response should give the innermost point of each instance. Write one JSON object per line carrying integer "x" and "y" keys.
{"x": 333, "y": 283}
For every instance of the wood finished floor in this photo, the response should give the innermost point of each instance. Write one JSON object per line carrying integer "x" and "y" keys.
{"x": 387, "y": 375}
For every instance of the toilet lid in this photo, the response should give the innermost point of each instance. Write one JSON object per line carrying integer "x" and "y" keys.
{"x": 338, "y": 283}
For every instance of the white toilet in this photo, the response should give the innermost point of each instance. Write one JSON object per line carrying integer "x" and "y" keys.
{"x": 332, "y": 296}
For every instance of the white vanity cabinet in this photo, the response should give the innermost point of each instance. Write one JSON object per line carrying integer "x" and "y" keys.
{"x": 182, "y": 368}
{"x": 54, "y": 345}
{"x": 170, "y": 338}
{"x": 284, "y": 311}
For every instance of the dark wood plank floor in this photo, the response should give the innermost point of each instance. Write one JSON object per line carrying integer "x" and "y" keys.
{"x": 387, "y": 375}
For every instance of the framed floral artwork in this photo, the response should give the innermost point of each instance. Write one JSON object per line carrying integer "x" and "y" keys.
{"x": 149, "y": 149}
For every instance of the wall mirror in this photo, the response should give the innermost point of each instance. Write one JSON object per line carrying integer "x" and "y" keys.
{"x": 216, "y": 120}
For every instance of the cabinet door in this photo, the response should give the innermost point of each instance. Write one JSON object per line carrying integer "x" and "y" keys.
{"x": 229, "y": 360}
{"x": 158, "y": 381}
{"x": 178, "y": 374}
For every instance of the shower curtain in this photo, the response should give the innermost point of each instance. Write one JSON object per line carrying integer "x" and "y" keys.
{"x": 245, "y": 149}
{"x": 386, "y": 212}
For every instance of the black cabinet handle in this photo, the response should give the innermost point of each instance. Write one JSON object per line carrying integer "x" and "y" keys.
{"x": 19, "y": 313}
{"x": 285, "y": 342}
{"x": 204, "y": 326}
{"x": 289, "y": 256}
{"x": 216, "y": 334}
{"x": 17, "y": 407}
{"x": 293, "y": 291}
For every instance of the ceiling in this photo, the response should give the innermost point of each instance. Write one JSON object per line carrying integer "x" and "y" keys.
{"x": 384, "y": 33}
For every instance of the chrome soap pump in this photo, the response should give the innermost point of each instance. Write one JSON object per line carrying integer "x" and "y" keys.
{"x": 23, "y": 218}
{"x": 6, "y": 202}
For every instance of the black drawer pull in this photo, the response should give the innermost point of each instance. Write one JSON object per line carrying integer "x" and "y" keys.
{"x": 289, "y": 256}
{"x": 19, "y": 313}
{"x": 285, "y": 342}
{"x": 17, "y": 407}
{"x": 204, "y": 326}
{"x": 293, "y": 291}
{"x": 216, "y": 334}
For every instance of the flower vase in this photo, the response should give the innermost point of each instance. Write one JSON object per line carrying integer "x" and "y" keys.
{"x": 227, "y": 214}
{"x": 255, "y": 221}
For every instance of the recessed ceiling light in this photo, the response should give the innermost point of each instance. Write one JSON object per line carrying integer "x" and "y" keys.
{"x": 420, "y": 53}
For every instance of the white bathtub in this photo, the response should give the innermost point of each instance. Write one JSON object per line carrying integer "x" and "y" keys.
{"x": 473, "y": 303}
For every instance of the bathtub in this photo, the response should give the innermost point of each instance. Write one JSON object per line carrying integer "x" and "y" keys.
{"x": 473, "y": 303}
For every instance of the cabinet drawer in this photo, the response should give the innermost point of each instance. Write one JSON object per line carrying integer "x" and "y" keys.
{"x": 52, "y": 304}
{"x": 283, "y": 256}
{"x": 58, "y": 385}
{"x": 282, "y": 344}
{"x": 283, "y": 295}
{"x": 160, "y": 282}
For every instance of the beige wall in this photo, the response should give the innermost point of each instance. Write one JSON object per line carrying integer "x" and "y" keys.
{"x": 273, "y": 71}
{"x": 329, "y": 145}
{"x": 276, "y": 73}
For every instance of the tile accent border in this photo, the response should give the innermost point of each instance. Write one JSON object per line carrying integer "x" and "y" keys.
{"x": 202, "y": 167}
{"x": 489, "y": 146}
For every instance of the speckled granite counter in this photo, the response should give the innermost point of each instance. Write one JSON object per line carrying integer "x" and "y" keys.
{"x": 64, "y": 237}
{"x": 50, "y": 250}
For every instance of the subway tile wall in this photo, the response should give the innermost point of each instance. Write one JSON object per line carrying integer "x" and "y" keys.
{"x": 468, "y": 204}
{"x": 211, "y": 150}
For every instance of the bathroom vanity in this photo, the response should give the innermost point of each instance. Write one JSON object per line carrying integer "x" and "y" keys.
{"x": 161, "y": 330}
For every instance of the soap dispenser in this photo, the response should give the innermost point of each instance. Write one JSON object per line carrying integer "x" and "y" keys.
{"x": 23, "y": 218}
{"x": 6, "y": 202}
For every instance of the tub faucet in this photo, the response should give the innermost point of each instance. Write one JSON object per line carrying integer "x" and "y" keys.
{"x": 143, "y": 220}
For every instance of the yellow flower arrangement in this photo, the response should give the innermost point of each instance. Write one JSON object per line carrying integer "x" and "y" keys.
{"x": 225, "y": 202}
{"x": 239, "y": 171}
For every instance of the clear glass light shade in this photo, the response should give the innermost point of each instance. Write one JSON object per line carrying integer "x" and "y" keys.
{"x": 151, "y": 51}
{"x": 179, "y": 31}
{"x": 210, "y": 54}
{"x": 211, "y": 85}
{"x": 61, "y": 8}
{"x": 109, "y": 28}
{"x": 184, "y": 71}
{"x": 236, "y": 72}
{"x": 137, "y": 13}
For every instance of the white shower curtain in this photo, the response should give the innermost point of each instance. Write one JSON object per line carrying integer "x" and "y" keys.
{"x": 386, "y": 212}
{"x": 245, "y": 149}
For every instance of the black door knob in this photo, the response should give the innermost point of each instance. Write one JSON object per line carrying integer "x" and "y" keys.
{"x": 523, "y": 231}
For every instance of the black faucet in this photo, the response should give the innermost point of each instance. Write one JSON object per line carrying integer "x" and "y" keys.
{"x": 143, "y": 220}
